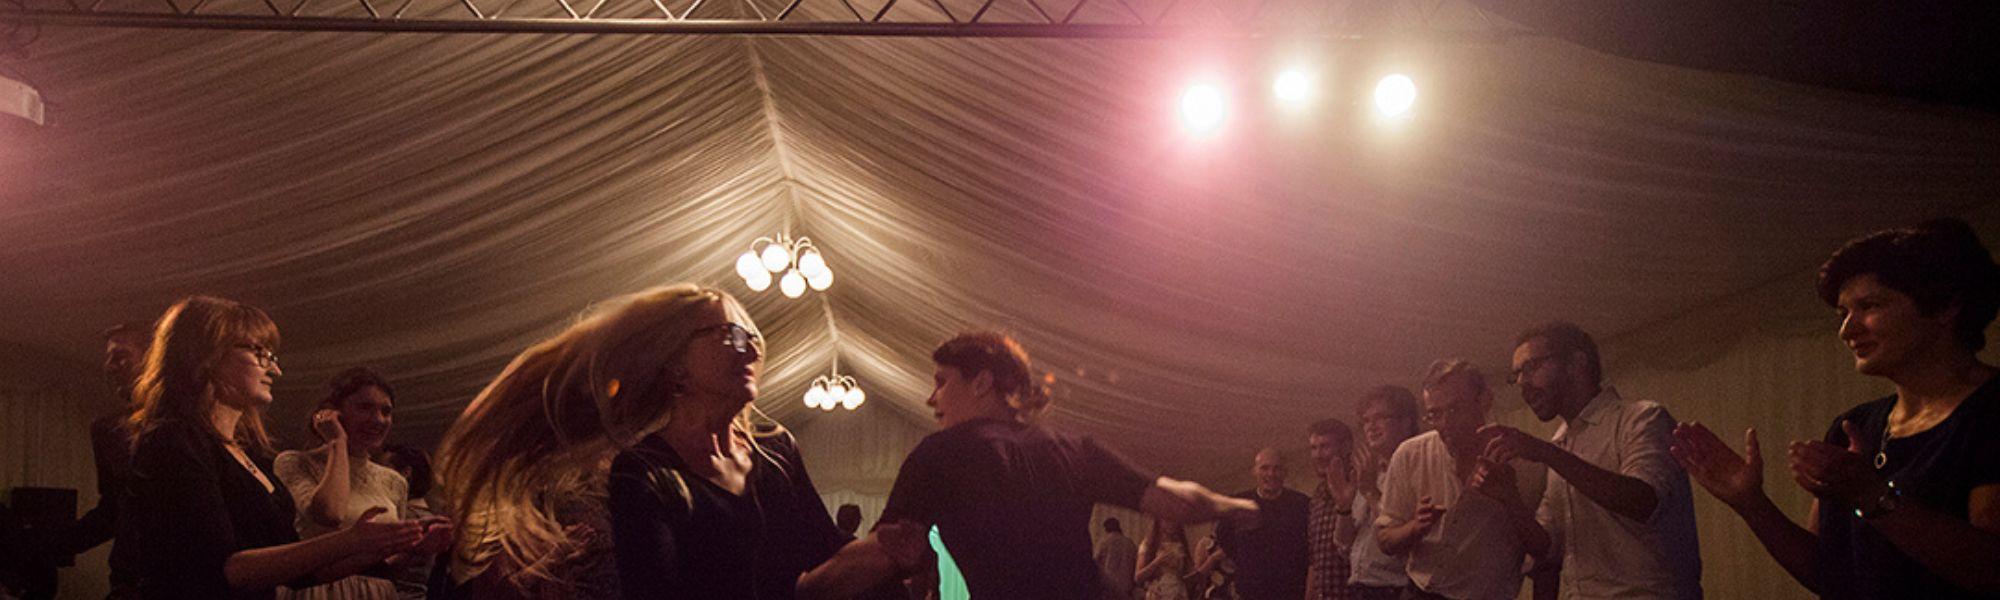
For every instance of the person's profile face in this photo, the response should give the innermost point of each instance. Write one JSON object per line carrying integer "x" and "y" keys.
{"x": 1884, "y": 329}
{"x": 1543, "y": 375}
{"x": 124, "y": 357}
{"x": 1384, "y": 429}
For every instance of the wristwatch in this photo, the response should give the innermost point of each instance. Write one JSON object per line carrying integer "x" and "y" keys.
{"x": 1888, "y": 502}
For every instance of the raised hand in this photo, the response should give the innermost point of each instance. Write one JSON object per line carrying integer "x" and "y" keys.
{"x": 1504, "y": 444}
{"x": 326, "y": 422}
{"x": 1736, "y": 480}
{"x": 1834, "y": 473}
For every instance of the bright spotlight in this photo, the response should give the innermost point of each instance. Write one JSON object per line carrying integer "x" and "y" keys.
{"x": 1395, "y": 95}
{"x": 1203, "y": 108}
{"x": 1293, "y": 87}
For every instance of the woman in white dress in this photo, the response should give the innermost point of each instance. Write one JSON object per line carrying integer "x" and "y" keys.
{"x": 1163, "y": 562}
{"x": 335, "y": 484}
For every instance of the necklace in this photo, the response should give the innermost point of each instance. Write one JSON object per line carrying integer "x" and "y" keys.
{"x": 1882, "y": 449}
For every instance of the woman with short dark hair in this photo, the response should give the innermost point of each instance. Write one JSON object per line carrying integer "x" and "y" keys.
{"x": 1907, "y": 487}
{"x": 1010, "y": 499}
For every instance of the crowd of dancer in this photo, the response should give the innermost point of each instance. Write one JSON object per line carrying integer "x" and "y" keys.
{"x": 624, "y": 458}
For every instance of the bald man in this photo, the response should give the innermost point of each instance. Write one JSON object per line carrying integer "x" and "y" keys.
{"x": 1270, "y": 554}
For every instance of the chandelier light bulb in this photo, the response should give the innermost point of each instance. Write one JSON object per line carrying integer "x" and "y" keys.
{"x": 758, "y": 280}
{"x": 817, "y": 396}
{"x": 793, "y": 284}
{"x": 777, "y": 257}
{"x": 834, "y": 393}
{"x": 820, "y": 281}
{"x": 811, "y": 263}
{"x": 748, "y": 266}
{"x": 853, "y": 398}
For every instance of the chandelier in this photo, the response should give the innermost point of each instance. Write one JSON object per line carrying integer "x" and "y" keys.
{"x": 834, "y": 389}
{"x": 798, "y": 264}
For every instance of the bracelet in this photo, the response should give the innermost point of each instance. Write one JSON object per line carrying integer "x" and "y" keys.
{"x": 1888, "y": 502}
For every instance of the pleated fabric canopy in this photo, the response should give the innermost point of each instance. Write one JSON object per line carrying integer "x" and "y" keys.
{"x": 430, "y": 205}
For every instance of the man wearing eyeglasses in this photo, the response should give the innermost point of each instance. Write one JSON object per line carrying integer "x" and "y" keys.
{"x": 1465, "y": 523}
{"x": 1618, "y": 507}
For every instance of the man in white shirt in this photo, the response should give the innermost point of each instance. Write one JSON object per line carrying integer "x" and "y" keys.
{"x": 1465, "y": 523}
{"x": 1618, "y": 508}
{"x": 1117, "y": 560}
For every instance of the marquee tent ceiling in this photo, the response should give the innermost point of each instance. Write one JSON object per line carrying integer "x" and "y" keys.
{"x": 430, "y": 205}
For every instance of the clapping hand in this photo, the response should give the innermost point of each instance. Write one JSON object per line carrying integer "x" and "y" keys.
{"x": 1428, "y": 514}
{"x": 1736, "y": 480}
{"x": 1834, "y": 473}
{"x": 382, "y": 538}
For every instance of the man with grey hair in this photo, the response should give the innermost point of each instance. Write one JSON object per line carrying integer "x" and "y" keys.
{"x": 1465, "y": 524}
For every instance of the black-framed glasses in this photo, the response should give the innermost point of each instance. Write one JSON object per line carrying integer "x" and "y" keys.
{"x": 1529, "y": 366}
{"x": 736, "y": 337}
{"x": 265, "y": 357}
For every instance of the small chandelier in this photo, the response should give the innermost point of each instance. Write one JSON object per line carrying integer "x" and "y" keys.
{"x": 796, "y": 259}
{"x": 834, "y": 389}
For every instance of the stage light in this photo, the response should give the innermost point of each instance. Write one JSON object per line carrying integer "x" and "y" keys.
{"x": 1395, "y": 95}
{"x": 1203, "y": 108}
{"x": 1293, "y": 87}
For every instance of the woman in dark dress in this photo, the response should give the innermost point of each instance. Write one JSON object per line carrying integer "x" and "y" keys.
{"x": 704, "y": 499}
{"x": 715, "y": 505}
{"x": 1906, "y": 488}
{"x": 208, "y": 518}
{"x": 1010, "y": 499}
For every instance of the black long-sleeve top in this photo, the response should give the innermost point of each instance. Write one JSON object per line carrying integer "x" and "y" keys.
{"x": 189, "y": 505}
{"x": 678, "y": 535}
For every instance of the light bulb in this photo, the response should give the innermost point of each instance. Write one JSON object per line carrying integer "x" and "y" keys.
{"x": 853, "y": 398}
{"x": 811, "y": 263}
{"x": 793, "y": 284}
{"x": 834, "y": 392}
{"x": 748, "y": 266}
{"x": 1293, "y": 87}
{"x": 821, "y": 280}
{"x": 1395, "y": 95}
{"x": 758, "y": 280}
{"x": 816, "y": 396}
{"x": 777, "y": 257}
{"x": 1203, "y": 108}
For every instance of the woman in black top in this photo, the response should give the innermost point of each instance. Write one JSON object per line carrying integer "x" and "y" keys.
{"x": 1907, "y": 487}
{"x": 1010, "y": 499}
{"x": 716, "y": 504}
{"x": 207, "y": 517}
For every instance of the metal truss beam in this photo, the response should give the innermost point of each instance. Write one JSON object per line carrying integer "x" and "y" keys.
{"x": 1438, "y": 20}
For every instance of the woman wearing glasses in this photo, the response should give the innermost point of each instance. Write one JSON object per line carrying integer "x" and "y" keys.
{"x": 634, "y": 430}
{"x": 208, "y": 518}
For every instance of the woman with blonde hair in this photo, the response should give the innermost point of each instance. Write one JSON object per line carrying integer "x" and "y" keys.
{"x": 206, "y": 515}
{"x": 1010, "y": 499}
{"x": 633, "y": 426}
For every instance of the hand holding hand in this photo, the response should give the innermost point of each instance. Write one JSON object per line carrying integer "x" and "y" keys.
{"x": 905, "y": 542}
{"x": 1735, "y": 480}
